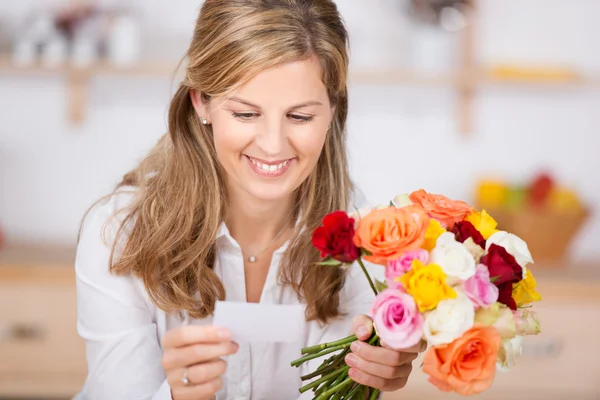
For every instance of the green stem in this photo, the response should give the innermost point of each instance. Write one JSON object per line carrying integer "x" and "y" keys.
{"x": 304, "y": 359}
{"x": 324, "y": 379}
{"x": 334, "y": 389}
{"x": 345, "y": 391}
{"x": 324, "y": 386}
{"x": 323, "y": 346}
{"x": 328, "y": 365}
{"x": 360, "y": 262}
{"x": 353, "y": 392}
{"x": 318, "y": 372}
{"x": 374, "y": 394}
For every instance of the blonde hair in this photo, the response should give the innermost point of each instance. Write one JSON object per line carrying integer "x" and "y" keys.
{"x": 172, "y": 226}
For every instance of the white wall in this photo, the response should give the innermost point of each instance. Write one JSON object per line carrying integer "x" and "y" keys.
{"x": 401, "y": 138}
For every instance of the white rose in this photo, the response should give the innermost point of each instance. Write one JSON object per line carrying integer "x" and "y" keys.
{"x": 402, "y": 200}
{"x": 514, "y": 245}
{"x": 453, "y": 257}
{"x": 449, "y": 320}
{"x": 508, "y": 353}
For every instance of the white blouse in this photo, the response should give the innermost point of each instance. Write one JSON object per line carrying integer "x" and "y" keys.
{"x": 123, "y": 329}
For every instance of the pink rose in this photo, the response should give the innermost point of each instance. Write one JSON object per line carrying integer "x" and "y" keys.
{"x": 397, "y": 319}
{"x": 399, "y": 266}
{"x": 526, "y": 322}
{"x": 479, "y": 289}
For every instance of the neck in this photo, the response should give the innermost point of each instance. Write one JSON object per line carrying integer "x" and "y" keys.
{"x": 256, "y": 224}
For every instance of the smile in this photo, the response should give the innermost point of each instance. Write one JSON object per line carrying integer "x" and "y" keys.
{"x": 269, "y": 169}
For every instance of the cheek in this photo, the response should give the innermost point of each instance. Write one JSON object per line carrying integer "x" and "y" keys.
{"x": 309, "y": 144}
{"x": 229, "y": 140}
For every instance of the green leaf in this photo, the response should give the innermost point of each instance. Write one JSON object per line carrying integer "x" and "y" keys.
{"x": 392, "y": 204}
{"x": 330, "y": 262}
{"x": 365, "y": 252}
{"x": 379, "y": 285}
{"x": 494, "y": 279}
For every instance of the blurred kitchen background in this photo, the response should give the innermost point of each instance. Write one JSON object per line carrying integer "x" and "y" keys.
{"x": 491, "y": 101}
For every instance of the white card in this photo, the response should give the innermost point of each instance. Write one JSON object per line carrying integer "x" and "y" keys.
{"x": 253, "y": 322}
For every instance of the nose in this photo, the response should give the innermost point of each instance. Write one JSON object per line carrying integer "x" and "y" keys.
{"x": 271, "y": 138}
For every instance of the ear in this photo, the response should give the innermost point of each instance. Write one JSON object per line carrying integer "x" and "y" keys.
{"x": 199, "y": 104}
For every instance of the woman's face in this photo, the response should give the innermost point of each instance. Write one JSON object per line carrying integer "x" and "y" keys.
{"x": 270, "y": 132}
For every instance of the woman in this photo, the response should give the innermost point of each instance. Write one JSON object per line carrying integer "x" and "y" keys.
{"x": 224, "y": 208}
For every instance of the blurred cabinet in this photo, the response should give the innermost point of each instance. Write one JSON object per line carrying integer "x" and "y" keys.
{"x": 41, "y": 354}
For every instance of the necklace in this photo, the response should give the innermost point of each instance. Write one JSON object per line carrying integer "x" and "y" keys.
{"x": 254, "y": 257}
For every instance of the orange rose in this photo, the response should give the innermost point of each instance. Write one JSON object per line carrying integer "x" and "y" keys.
{"x": 445, "y": 210}
{"x": 467, "y": 365}
{"x": 387, "y": 233}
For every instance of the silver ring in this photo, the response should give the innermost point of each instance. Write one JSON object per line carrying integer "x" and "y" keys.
{"x": 184, "y": 378}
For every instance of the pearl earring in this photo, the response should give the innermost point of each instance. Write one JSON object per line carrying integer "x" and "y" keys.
{"x": 203, "y": 120}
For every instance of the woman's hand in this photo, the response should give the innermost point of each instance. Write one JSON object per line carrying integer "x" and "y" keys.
{"x": 378, "y": 367}
{"x": 192, "y": 354}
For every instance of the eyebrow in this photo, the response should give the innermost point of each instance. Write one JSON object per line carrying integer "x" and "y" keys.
{"x": 294, "y": 107}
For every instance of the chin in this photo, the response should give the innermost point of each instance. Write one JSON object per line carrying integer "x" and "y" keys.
{"x": 270, "y": 192}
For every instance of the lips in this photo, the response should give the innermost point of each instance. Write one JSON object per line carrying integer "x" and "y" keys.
{"x": 270, "y": 169}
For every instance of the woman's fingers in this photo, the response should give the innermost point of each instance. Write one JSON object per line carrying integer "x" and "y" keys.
{"x": 362, "y": 327}
{"x": 196, "y": 354}
{"x": 381, "y": 355}
{"x": 191, "y": 334}
{"x": 204, "y": 391}
{"x": 379, "y": 370}
{"x": 197, "y": 374}
{"x": 376, "y": 382}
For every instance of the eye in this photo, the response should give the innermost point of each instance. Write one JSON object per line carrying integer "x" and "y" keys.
{"x": 244, "y": 116}
{"x": 300, "y": 119}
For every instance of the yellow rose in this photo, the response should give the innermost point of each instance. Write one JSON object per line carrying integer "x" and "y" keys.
{"x": 427, "y": 285}
{"x": 524, "y": 291}
{"x": 433, "y": 232}
{"x": 483, "y": 222}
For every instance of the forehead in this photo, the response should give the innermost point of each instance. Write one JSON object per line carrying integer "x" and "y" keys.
{"x": 285, "y": 84}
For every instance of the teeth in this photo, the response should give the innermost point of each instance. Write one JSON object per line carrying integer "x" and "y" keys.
{"x": 269, "y": 168}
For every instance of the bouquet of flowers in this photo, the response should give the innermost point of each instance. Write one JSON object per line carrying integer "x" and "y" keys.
{"x": 452, "y": 279}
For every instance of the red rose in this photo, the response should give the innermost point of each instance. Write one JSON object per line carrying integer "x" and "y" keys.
{"x": 335, "y": 238}
{"x": 504, "y": 271}
{"x": 464, "y": 230}
{"x": 502, "y": 266}
{"x": 505, "y": 295}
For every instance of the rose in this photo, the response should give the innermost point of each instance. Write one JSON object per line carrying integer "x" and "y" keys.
{"x": 526, "y": 322}
{"x": 427, "y": 285}
{"x": 505, "y": 295}
{"x": 508, "y": 352}
{"x": 398, "y": 266}
{"x": 514, "y": 245}
{"x": 464, "y": 230}
{"x": 450, "y": 319}
{"x": 402, "y": 200}
{"x": 467, "y": 365}
{"x": 479, "y": 289}
{"x": 445, "y": 210}
{"x": 433, "y": 232}
{"x": 483, "y": 222}
{"x": 358, "y": 214}
{"x": 454, "y": 258}
{"x": 387, "y": 233}
{"x": 476, "y": 251}
{"x": 498, "y": 316}
{"x": 504, "y": 271}
{"x": 397, "y": 320}
{"x": 335, "y": 237}
{"x": 502, "y": 266}
{"x": 524, "y": 292}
